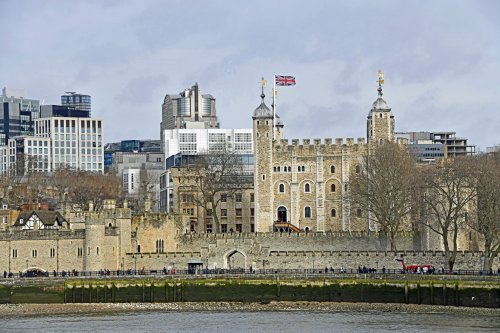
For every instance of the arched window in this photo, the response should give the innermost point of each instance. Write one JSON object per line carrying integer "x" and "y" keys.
{"x": 307, "y": 188}
{"x": 332, "y": 169}
{"x": 358, "y": 169}
{"x": 289, "y": 169}
{"x": 334, "y": 212}
{"x": 307, "y": 212}
{"x": 274, "y": 169}
{"x": 381, "y": 115}
{"x": 303, "y": 168}
{"x": 332, "y": 188}
{"x": 279, "y": 169}
{"x": 298, "y": 168}
{"x": 282, "y": 188}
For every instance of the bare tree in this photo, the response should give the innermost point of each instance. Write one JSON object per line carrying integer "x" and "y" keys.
{"x": 89, "y": 187}
{"x": 211, "y": 176}
{"x": 448, "y": 190}
{"x": 486, "y": 220}
{"x": 383, "y": 185}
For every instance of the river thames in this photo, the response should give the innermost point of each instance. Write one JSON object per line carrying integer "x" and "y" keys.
{"x": 254, "y": 321}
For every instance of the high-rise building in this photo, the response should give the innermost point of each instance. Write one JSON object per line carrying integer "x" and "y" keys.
{"x": 77, "y": 101}
{"x": 17, "y": 114}
{"x": 74, "y": 142}
{"x": 189, "y": 109}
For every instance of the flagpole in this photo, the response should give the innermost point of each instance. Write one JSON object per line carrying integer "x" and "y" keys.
{"x": 274, "y": 106}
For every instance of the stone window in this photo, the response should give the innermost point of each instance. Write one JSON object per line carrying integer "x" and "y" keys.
{"x": 334, "y": 212}
{"x": 345, "y": 187}
{"x": 97, "y": 251}
{"x": 359, "y": 212}
{"x": 358, "y": 169}
{"x": 333, "y": 188}
{"x": 14, "y": 253}
{"x": 34, "y": 253}
{"x": 303, "y": 168}
{"x": 209, "y": 228}
{"x": 80, "y": 252}
{"x": 223, "y": 212}
{"x": 252, "y": 212}
{"x": 332, "y": 169}
{"x": 52, "y": 252}
{"x": 307, "y": 188}
{"x": 252, "y": 197}
{"x": 159, "y": 246}
{"x": 252, "y": 227}
{"x": 282, "y": 188}
{"x": 238, "y": 197}
{"x": 223, "y": 197}
{"x": 239, "y": 227}
{"x": 223, "y": 228}
{"x": 239, "y": 212}
{"x": 307, "y": 212}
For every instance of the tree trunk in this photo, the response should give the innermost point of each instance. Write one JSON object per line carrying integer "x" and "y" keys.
{"x": 392, "y": 240}
{"x": 446, "y": 246}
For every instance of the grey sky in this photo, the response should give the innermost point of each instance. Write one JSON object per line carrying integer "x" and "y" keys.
{"x": 441, "y": 61}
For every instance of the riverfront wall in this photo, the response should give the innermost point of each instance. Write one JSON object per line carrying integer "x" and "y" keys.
{"x": 319, "y": 289}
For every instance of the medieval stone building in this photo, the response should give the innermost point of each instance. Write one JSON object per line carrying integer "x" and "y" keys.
{"x": 305, "y": 185}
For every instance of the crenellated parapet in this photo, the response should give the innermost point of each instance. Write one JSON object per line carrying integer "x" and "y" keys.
{"x": 317, "y": 146}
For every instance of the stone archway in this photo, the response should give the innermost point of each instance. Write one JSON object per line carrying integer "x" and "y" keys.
{"x": 235, "y": 260}
{"x": 282, "y": 217}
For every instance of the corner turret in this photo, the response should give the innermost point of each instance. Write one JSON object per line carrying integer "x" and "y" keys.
{"x": 380, "y": 121}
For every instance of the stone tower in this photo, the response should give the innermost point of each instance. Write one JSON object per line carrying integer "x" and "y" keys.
{"x": 380, "y": 122}
{"x": 263, "y": 176}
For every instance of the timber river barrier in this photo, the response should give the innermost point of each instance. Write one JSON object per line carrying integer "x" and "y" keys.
{"x": 449, "y": 290}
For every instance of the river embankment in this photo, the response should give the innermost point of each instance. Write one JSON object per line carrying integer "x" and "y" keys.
{"x": 431, "y": 291}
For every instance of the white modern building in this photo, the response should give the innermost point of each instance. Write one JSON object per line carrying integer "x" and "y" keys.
{"x": 207, "y": 140}
{"x": 74, "y": 142}
{"x": 7, "y": 157}
{"x": 192, "y": 141}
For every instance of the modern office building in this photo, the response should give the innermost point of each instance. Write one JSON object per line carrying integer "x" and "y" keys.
{"x": 427, "y": 146}
{"x": 62, "y": 111}
{"x": 196, "y": 141}
{"x": 7, "y": 157}
{"x": 74, "y": 142}
{"x": 189, "y": 109}
{"x": 17, "y": 114}
{"x": 129, "y": 146}
{"x": 77, "y": 101}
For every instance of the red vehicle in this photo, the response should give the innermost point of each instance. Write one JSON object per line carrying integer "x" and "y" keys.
{"x": 416, "y": 268}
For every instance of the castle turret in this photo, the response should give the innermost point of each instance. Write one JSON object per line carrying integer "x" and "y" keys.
{"x": 380, "y": 122}
{"x": 263, "y": 161}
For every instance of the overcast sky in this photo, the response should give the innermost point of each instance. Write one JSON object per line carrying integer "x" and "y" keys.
{"x": 441, "y": 61}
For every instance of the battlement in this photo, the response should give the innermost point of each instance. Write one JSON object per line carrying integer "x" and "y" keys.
{"x": 41, "y": 234}
{"x": 324, "y": 146}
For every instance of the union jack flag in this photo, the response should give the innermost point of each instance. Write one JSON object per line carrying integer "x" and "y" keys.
{"x": 282, "y": 80}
